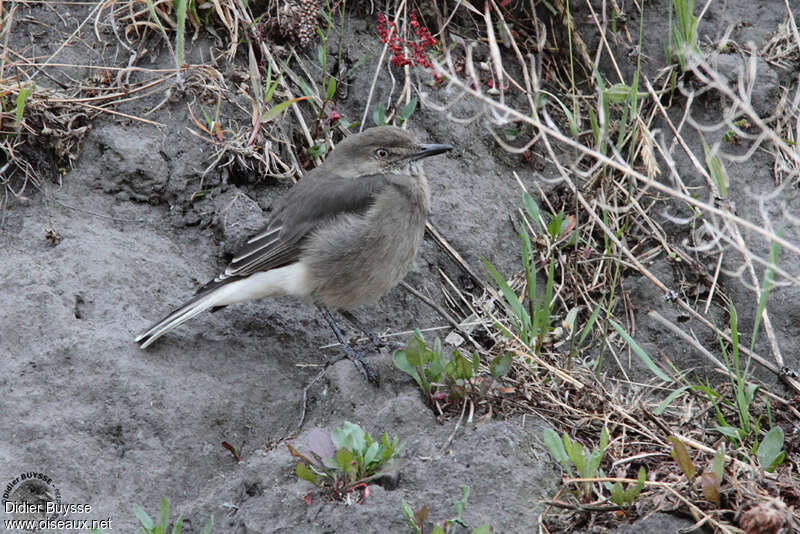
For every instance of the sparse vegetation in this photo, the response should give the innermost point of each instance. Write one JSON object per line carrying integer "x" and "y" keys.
{"x": 416, "y": 519}
{"x": 447, "y": 382}
{"x": 642, "y": 199}
{"x": 149, "y": 526}
{"x": 346, "y": 461}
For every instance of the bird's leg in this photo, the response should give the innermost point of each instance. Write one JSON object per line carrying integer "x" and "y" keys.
{"x": 356, "y": 357}
{"x": 373, "y": 338}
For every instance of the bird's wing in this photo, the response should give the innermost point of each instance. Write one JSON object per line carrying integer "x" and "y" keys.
{"x": 314, "y": 200}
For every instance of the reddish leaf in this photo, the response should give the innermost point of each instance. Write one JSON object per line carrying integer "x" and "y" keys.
{"x": 681, "y": 457}
{"x": 711, "y": 486}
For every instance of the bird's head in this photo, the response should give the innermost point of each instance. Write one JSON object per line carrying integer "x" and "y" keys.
{"x": 379, "y": 150}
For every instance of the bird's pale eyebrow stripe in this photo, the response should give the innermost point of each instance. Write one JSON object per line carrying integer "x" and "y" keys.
{"x": 264, "y": 234}
{"x": 254, "y": 251}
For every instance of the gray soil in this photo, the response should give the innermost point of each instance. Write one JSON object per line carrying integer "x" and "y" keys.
{"x": 114, "y": 425}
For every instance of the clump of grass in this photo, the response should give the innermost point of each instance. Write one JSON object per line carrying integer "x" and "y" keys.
{"x": 683, "y": 37}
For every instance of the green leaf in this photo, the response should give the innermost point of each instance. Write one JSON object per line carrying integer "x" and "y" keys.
{"x": 462, "y": 369}
{"x": 603, "y": 439}
{"x": 770, "y": 449}
{"x": 22, "y": 98}
{"x": 715, "y": 171}
{"x": 409, "y": 513}
{"x": 462, "y": 502}
{"x": 208, "y": 527}
{"x": 500, "y": 366}
{"x": 255, "y": 75}
{"x": 331, "y": 88}
{"x": 164, "y": 519}
{"x": 555, "y": 445}
{"x": 304, "y": 473}
{"x": 435, "y": 369}
{"x": 144, "y": 519}
{"x": 178, "y": 526}
{"x": 681, "y": 456}
{"x": 321, "y": 56}
{"x": 344, "y": 458}
{"x": 576, "y": 454}
{"x": 617, "y": 494}
{"x": 671, "y": 397}
{"x": 510, "y": 133}
{"x": 415, "y": 350}
{"x": 437, "y": 530}
{"x": 511, "y": 298}
{"x": 766, "y": 285}
{"x": 180, "y": 33}
{"x": 371, "y": 453}
{"x": 330, "y": 463}
{"x": 533, "y": 211}
{"x": 618, "y": 93}
{"x": 555, "y": 225}
{"x": 304, "y": 87}
{"x": 594, "y": 462}
{"x": 718, "y": 464}
{"x": 276, "y": 110}
{"x": 727, "y": 431}
{"x": 408, "y": 109}
{"x": 379, "y": 116}
{"x": 639, "y": 351}
{"x": 401, "y": 362}
{"x": 349, "y": 436}
{"x": 485, "y": 529}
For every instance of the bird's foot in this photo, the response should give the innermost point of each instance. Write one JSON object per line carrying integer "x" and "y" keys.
{"x": 362, "y": 365}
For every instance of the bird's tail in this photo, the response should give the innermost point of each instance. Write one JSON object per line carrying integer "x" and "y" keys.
{"x": 195, "y": 306}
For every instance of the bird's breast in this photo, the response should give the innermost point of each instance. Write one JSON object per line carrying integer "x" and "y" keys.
{"x": 358, "y": 258}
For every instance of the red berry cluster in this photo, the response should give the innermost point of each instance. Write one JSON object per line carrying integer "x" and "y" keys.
{"x": 396, "y": 44}
{"x": 425, "y": 41}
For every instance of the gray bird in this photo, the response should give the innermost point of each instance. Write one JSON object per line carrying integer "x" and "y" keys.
{"x": 342, "y": 237}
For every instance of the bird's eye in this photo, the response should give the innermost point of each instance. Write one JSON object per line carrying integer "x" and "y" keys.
{"x": 381, "y": 153}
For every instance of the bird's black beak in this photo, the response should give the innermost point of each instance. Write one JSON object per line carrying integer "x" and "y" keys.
{"x": 430, "y": 150}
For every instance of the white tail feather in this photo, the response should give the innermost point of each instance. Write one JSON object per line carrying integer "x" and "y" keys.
{"x": 288, "y": 280}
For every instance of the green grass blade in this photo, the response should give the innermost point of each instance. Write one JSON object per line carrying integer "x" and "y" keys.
{"x": 640, "y": 352}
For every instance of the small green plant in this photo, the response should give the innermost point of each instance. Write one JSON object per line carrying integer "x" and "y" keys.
{"x": 263, "y": 93}
{"x": 571, "y": 454}
{"x": 729, "y": 137}
{"x": 379, "y": 116}
{"x": 148, "y": 526}
{"x": 683, "y": 40}
{"x": 379, "y": 113}
{"x": 449, "y": 526}
{"x": 22, "y": 98}
{"x": 345, "y": 460}
{"x": 717, "y": 171}
{"x": 533, "y": 323}
{"x": 627, "y": 496}
{"x": 439, "y": 378}
{"x": 770, "y": 451}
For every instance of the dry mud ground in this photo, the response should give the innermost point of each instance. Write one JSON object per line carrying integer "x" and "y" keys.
{"x": 114, "y": 425}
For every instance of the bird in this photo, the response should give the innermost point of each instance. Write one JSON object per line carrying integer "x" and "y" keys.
{"x": 342, "y": 237}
